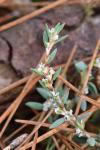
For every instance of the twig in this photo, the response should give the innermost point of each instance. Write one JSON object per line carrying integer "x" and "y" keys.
{"x": 56, "y": 143}
{"x": 19, "y": 129}
{"x": 16, "y": 104}
{"x": 90, "y": 100}
{"x": 31, "y": 15}
{"x": 35, "y": 141}
{"x": 28, "y": 122}
{"x": 29, "y": 85}
{"x": 16, "y": 142}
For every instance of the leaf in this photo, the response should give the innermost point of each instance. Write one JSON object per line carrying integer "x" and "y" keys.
{"x": 59, "y": 27}
{"x": 91, "y": 141}
{"x": 52, "y": 56}
{"x": 47, "y": 30}
{"x": 80, "y": 66}
{"x": 80, "y": 123}
{"x": 85, "y": 116}
{"x": 57, "y": 73}
{"x": 61, "y": 39}
{"x": 57, "y": 123}
{"x": 45, "y": 38}
{"x": 60, "y": 90}
{"x": 92, "y": 88}
{"x": 35, "y": 105}
{"x": 66, "y": 95}
{"x": 41, "y": 83}
{"x": 44, "y": 93}
{"x": 84, "y": 105}
{"x": 37, "y": 72}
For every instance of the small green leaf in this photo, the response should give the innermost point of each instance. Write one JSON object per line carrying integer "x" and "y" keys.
{"x": 85, "y": 116}
{"x": 57, "y": 123}
{"x": 61, "y": 39}
{"x": 80, "y": 123}
{"x": 80, "y": 66}
{"x": 52, "y": 56}
{"x": 42, "y": 84}
{"x": 66, "y": 94}
{"x": 60, "y": 90}
{"x": 91, "y": 141}
{"x": 37, "y": 72}
{"x": 92, "y": 88}
{"x": 59, "y": 27}
{"x": 45, "y": 38}
{"x": 84, "y": 105}
{"x": 57, "y": 73}
{"x": 47, "y": 30}
{"x": 35, "y": 105}
{"x": 44, "y": 93}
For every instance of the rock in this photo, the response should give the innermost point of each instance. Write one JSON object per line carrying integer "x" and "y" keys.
{"x": 85, "y": 37}
{"x": 4, "y": 51}
{"x": 96, "y": 23}
{"x": 71, "y": 15}
{"x": 27, "y": 50}
{"x": 26, "y": 39}
{"x": 7, "y": 75}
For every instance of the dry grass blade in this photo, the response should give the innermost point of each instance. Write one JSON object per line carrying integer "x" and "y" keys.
{"x": 16, "y": 105}
{"x": 35, "y": 141}
{"x": 31, "y": 134}
{"x": 90, "y": 100}
{"x": 56, "y": 142}
{"x": 29, "y": 85}
{"x": 19, "y": 129}
{"x": 28, "y": 122}
{"x": 31, "y": 15}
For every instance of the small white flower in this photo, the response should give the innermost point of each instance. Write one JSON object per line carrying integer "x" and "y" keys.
{"x": 55, "y": 94}
{"x": 58, "y": 110}
{"x": 51, "y": 71}
{"x": 79, "y": 132}
{"x": 50, "y": 74}
{"x": 47, "y": 104}
{"x": 45, "y": 71}
{"x": 55, "y": 37}
{"x": 52, "y": 30}
{"x": 44, "y": 80}
{"x": 86, "y": 90}
{"x": 97, "y": 62}
{"x": 67, "y": 114}
{"x": 41, "y": 67}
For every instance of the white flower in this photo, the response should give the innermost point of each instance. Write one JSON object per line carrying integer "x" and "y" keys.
{"x": 51, "y": 71}
{"x": 47, "y": 104}
{"x": 52, "y": 30}
{"x": 54, "y": 35}
{"x": 58, "y": 110}
{"x": 67, "y": 114}
{"x": 97, "y": 62}
{"x": 46, "y": 69}
{"x": 79, "y": 132}
{"x": 86, "y": 90}
{"x": 50, "y": 74}
{"x": 41, "y": 67}
{"x": 44, "y": 80}
{"x": 55, "y": 94}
